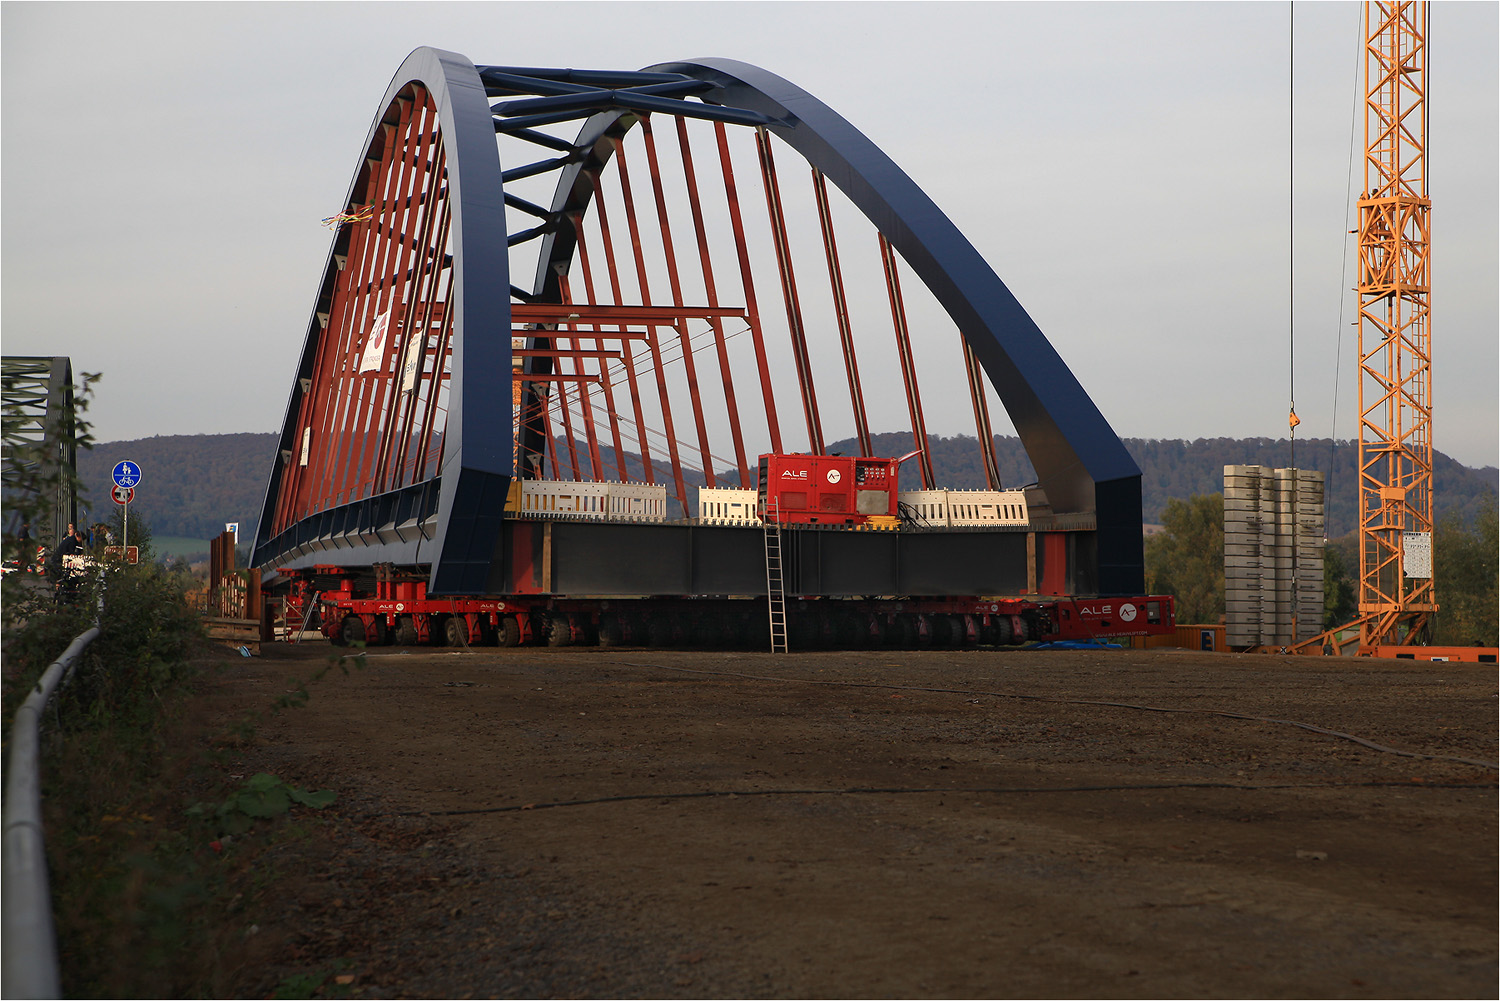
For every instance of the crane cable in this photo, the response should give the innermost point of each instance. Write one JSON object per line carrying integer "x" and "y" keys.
{"x": 1338, "y": 346}
{"x": 1291, "y": 238}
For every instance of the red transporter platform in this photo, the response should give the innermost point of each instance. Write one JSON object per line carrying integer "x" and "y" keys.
{"x": 583, "y": 576}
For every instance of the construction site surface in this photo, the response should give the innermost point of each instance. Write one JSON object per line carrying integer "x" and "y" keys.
{"x": 603, "y": 823}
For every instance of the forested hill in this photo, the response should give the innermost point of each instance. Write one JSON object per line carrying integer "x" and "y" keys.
{"x": 193, "y": 484}
{"x": 1176, "y": 468}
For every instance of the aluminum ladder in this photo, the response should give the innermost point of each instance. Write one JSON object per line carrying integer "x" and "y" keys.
{"x": 775, "y": 582}
{"x": 312, "y": 606}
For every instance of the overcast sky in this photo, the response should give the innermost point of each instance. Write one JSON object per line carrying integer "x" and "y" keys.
{"x": 1123, "y": 167}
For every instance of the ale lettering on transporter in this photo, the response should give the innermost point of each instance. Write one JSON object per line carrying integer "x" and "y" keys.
{"x": 1127, "y": 611}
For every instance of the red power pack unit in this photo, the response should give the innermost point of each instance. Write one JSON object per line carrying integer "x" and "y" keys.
{"x": 826, "y": 489}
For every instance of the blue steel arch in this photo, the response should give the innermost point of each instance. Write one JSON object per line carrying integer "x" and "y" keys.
{"x": 454, "y": 517}
{"x": 1080, "y": 462}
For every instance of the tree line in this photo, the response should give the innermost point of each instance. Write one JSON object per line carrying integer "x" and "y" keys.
{"x": 194, "y": 484}
{"x": 1187, "y": 560}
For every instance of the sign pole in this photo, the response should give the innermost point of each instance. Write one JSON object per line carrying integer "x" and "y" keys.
{"x": 126, "y": 476}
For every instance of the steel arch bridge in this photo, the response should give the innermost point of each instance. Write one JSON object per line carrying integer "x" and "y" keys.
{"x": 600, "y": 275}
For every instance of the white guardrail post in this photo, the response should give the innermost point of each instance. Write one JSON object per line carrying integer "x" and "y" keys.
{"x": 30, "y": 942}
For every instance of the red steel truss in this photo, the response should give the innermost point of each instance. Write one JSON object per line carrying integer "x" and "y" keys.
{"x": 621, "y": 377}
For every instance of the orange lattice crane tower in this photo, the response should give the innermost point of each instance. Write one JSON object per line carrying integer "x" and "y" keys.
{"x": 1396, "y": 600}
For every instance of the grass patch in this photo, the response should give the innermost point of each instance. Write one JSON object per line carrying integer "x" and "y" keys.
{"x": 155, "y": 848}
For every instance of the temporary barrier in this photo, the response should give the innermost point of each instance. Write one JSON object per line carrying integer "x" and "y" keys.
{"x": 726, "y": 506}
{"x": 593, "y": 501}
{"x": 964, "y": 508}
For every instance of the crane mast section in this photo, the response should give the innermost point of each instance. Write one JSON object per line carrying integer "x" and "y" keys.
{"x": 1395, "y": 382}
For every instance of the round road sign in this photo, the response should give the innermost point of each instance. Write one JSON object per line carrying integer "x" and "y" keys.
{"x": 126, "y": 474}
{"x": 123, "y": 495}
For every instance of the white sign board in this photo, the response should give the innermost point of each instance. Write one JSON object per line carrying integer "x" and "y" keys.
{"x": 412, "y": 363}
{"x": 374, "y": 356}
{"x": 233, "y": 526}
{"x": 1416, "y": 554}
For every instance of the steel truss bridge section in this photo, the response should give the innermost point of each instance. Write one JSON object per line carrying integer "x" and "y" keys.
{"x": 39, "y": 442}
{"x": 692, "y": 305}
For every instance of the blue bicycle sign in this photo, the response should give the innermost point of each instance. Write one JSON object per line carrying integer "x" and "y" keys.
{"x": 127, "y": 474}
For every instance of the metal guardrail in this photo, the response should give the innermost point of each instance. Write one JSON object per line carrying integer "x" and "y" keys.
{"x": 30, "y": 940}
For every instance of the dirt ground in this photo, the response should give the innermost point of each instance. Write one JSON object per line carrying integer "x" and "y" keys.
{"x": 605, "y": 823}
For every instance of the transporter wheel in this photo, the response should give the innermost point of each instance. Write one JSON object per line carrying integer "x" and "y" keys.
{"x": 378, "y": 633}
{"x": 351, "y": 630}
{"x": 456, "y": 631}
{"x": 611, "y": 632}
{"x": 901, "y": 633}
{"x": 706, "y": 631}
{"x": 756, "y": 632}
{"x": 406, "y": 631}
{"x": 559, "y": 633}
{"x": 947, "y": 631}
{"x": 509, "y": 632}
{"x": 805, "y": 631}
{"x": 849, "y": 631}
{"x": 659, "y": 631}
{"x": 734, "y": 627}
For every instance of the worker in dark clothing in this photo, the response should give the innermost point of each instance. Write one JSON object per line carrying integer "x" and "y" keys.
{"x": 67, "y": 577}
{"x": 69, "y": 546}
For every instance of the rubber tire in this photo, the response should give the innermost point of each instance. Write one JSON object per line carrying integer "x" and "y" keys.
{"x": 804, "y": 631}
{"x": 947, "y": 631}
{"x": 405, "y": 633}
{"x": 509, "y": 632}
{"x": 456, "y": 631}
{"x": 559, "y": 633}
{"x": 706, "y": 631}
{"x": 351, "y": 630}
{"x": 659, "y": 631}
{"x": 902, "y": 633}
{"x": 611, "y": 632}
{"x": 849, "y": 631}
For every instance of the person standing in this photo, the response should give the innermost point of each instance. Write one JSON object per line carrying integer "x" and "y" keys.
{"x": 70, "y": 544}
{"x": 65, "y": 581}
{"x": 23, "y": 547}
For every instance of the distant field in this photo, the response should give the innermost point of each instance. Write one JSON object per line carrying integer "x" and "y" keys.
{"x": 167, "y": 545}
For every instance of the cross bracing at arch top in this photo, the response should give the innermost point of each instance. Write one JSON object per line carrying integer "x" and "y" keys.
{"x": 688, "y": 264}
